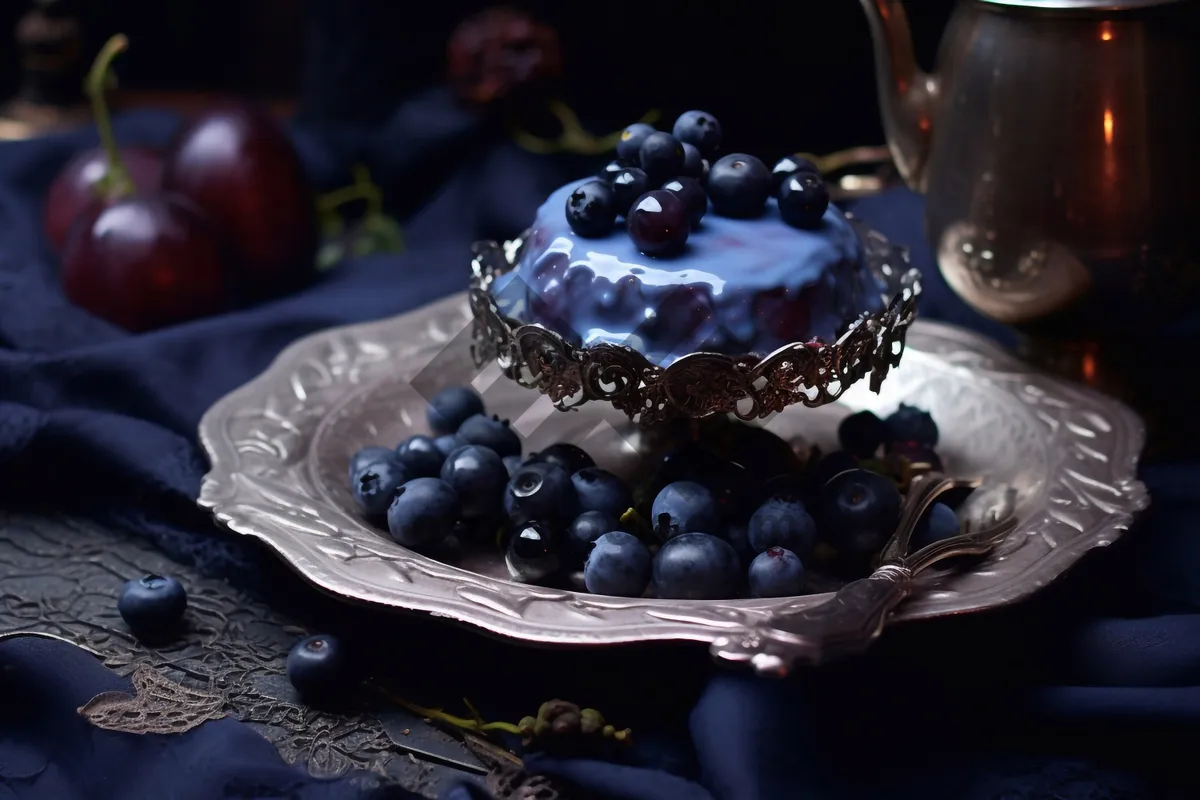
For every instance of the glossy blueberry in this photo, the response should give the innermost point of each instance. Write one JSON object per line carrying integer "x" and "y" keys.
{"x": 627, "y": 186}
{"x": 859, "y": 511}
{"x": 699, "y": 129}
{"x": 583, "y": 531}
{"x": 374, "y": 486}
{"x": 600, "y": 490}
{"x": 862, "y": 434}
{"x": 697, "y": 566}
{"x": 782, "y": 522}
{"x": 685, "y": 507}
{"x": 829, "y": 465}
{"x": 448, "y": 444}
{"x": 658, "y": 223}
{"x": 318, "y": 666}
{"x": 803, "y": 200}
{"x": 512, "y": 464}
{"x": 450, "y": 407}
{"x": 542, "y": 491}
{"x": 531, "y": 554}
{"x": 916, "y": 454}
{"x": 725, "y": 480}
{"x": 788, "y": 166}
{"x": 478, "y": 477}
{"x": 152, "y": 605}
{"x": 776, "y": 572}
{"x": 570, "y": 457}
{"x": 940, "y": 522}
{"x": 612, "y": 168}
{"x": 367, "y": 456}
{"x": 424, "y": 511}
{"x": 591, "y": 210}
{"x": 619, "y": 565}
{"x": 911, "y": 424}
{"x": 661, "y": 156}
{"x": 693, "y": 162}
{"x": 692, "y": 194}
{"x": 629, "y": 146}
{"x": 420, "y": 456}
{"x": 491, "y": 432}
{"x": 738, "y": 186}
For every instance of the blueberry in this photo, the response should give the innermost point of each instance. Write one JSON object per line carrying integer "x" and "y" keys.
{"x": 696, "y": 566}
{"x": 940, "y": 522}
{"x": 542, "y": 491}
{"x": 830, "y": 465}
{"x": 859, "y": 511}
{"x": 627, "y": 186}
{"x": 591, "y": 210}
{"x": 318, "y": 667}
{"x": 451, "y": 407}
{"x": 368, "y": 456}
{"x": 685, "y": 507}
{"x": 738, "y": 186}
{"x": 658, "y": 223}
{"x": 152, "y": 605}
{"x": 803, "y": 200}
{"x": 420, "y": 456}
{"x": 600, "y": 490}
{"x": 583, "y": 531}
{"x": 512, "y": 464}
{"x": 630, "y": 144}
{"x": 424, "y": 511}
{"x": 739, "y": 537}
{"x": 692, "y": 194}
{"x": 916, "y": 454}
{"x": 776, "y": 572}
{"x": 612, "y": 168}
{"x": 788, "y": 166}
{"x": 491, "y": 432}
{"x": 531, "y": 555}
{"x": 911, "y": 424}
{"x": 725, "y": 480}
{"x": 700, "y": 129}
{"x": 782, "y": 522}
{"x": 619, "y": 565}
{"x": 448, "y": 444}
{"x": 862, "y": 434}
{"x": 478, "y": 477}
{"x": 661, "y": 156}
{"x": 569, "y": 456}
{"x": 375, "y": 485}
{"x": 693, "y": 162}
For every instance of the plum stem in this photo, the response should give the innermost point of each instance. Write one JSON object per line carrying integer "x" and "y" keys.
{"x": 116, "y": 182}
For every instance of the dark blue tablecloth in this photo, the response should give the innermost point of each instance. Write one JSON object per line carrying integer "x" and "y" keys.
{"x": 1092, "y": 690}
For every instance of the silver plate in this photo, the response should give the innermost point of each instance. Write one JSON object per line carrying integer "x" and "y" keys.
{"x": 279, "y": 448}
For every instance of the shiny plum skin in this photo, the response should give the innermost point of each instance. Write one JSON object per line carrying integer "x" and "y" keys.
{"x": 73, "y": 196}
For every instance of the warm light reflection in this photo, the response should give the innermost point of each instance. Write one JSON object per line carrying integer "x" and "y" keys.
{"x": 1106, "y": 34}
{"x": 1088, "y": 367}
{"x": 1108, "y": 126}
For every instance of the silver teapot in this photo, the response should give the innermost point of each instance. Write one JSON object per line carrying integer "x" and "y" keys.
{"x": 1058, "y": 146}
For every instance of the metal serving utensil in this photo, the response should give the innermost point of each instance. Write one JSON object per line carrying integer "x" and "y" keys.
{"x": 851, "y": 620}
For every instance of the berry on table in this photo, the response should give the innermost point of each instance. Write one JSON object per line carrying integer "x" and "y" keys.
{"x": 939, "y": 522}
{"x": 424, "y": 511}
{"x": 368, "y": 456}
{"x": 450, "y": 407}
{"x": 569, "y": 456}
{"x": 629, "y": 145}
{"x": 491, "y": 432}
{"x": 699, "y": 129}
{"x": 152, "y": 605}
{"x": 583, "y": 531}
{"x": 788, "y": 166}
{"x": 619, "y": 565}
{"x": 862, "y": 434}
{"x": 531, "y": 555}
{"x": 374, "y": 485}
{"x": 661, "y": 156}
{"x": 478, "y": 477}
{"x": 692, "y": 194}
{"x": 782, "y": 522}
{"x": 684, "y": 507}
{"x": 658, "y": 223}
{"x": 739, "y": 185}
{"x": 591, "y": 210}
{"x": 911, "y": 424}
{"x": 693, "y": 162}
{"x": 696, "y": 566}
{"x": 859, "y": 511}
{"x": 600, "y": 490}
{"x": 512, "y": 464}
{"x": 542, "y": 491}
{"x": 803, "y": 200}
{"x": 448, "y": 444}
{"x": 420, "y": 456}
{"x": 318, "y": 667}
{"x": 627, "y": 186}
{"x": 776, "y": 572}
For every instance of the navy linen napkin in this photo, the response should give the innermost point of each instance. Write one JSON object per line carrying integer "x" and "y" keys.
{"x": 1091, "y": 690}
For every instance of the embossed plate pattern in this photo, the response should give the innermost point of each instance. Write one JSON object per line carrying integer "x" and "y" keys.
{"x": 279, "y": 447}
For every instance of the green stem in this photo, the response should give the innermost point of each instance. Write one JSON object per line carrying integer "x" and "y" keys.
{"x": 116, "y": 182}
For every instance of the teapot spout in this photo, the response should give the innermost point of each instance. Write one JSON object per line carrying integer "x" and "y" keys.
{"x": 906, "y": 94}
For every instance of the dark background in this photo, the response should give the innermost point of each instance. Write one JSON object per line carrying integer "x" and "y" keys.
{"x": 781, "y": 75}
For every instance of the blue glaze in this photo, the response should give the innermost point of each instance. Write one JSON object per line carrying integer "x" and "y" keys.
{"x": 740, "y": 286}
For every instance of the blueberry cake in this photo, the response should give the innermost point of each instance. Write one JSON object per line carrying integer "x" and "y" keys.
{"x": 674, "y": 249}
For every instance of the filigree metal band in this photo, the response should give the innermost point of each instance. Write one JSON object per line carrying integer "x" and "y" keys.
{"x": 697, "y": 384}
